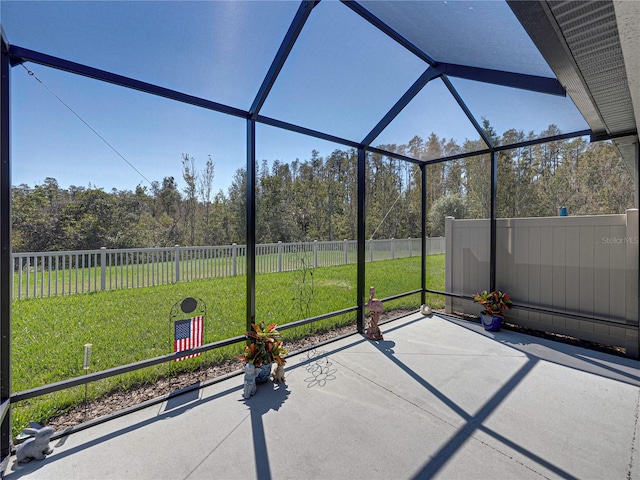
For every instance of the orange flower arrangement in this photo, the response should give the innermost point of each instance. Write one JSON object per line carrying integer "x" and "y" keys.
{"x": 264, "y": 347}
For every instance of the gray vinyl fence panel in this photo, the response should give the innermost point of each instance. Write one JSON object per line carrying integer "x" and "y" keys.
{"x": 50, "y": 274}
{"x": 585, "y": 265}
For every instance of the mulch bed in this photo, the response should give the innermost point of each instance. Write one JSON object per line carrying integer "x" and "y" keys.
{"x": 557, "y": 337}
{"x": 120, "y": 400}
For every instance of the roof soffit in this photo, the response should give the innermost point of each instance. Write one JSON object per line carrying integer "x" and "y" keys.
{"x": 538, "y": 20}
{"x": 628, "y": 19}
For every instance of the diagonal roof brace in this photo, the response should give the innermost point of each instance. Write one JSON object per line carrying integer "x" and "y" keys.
{"x": 522, "y": 81}
{"x": 20, "y": 55}
{"x": 3, "y": 40}
{"x": 304, "y": 10}
{"x": 533, "y": 83}
{"x": 429, "y": 74}
{"x": 383, "y": 27}
{"x": 483, "y": 134}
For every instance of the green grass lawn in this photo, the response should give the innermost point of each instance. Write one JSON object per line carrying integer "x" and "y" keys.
{"x": 125, "y": 326}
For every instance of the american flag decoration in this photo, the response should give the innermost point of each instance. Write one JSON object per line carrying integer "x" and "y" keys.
{"x": 187, "y": 335}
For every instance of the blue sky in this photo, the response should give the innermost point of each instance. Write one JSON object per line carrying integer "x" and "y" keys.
{"x": 341, "y": 77}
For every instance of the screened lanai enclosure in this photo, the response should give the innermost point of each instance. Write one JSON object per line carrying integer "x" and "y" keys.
{"x": 276, "y": 159}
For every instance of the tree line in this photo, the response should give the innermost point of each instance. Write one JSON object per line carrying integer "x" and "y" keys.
{"x": 316, "y": 198}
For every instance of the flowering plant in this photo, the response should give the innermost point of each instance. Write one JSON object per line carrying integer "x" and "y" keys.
{"x": 494, "y": 303}
{"x": 263, "y": 347}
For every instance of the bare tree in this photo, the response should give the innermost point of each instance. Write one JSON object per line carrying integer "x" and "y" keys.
{"x": 205, "y": 186}
{"x": 190, "y": 176}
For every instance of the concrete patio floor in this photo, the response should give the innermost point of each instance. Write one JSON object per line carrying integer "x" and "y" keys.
{"x": 437, "y": 398}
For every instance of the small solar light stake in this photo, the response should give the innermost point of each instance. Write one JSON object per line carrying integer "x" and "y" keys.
{"x": 86, "y": 365}
{"x": 87, "y": 356}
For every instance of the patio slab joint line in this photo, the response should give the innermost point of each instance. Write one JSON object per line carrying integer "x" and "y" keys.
{"x": 454, "y": 427}
{"x": 396, "y": 394}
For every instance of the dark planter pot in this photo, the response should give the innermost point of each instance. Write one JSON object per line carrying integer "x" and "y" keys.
{"x": 491, "y": 324}
{"x": 263, "y": 373}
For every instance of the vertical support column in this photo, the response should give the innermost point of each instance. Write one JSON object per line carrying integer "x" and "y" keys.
{"x": 423, "y": 244}
{"x": 636, "y": 175}
{"x": 5, "y": 256}
{"x": 448, "y": 263}
{"x": 251, "y": 223}
{"x": 632, "y": 256}
{"x": 493, "y": 222}
{"x": 362, "y": 159}
{"x": 637, "y": 232}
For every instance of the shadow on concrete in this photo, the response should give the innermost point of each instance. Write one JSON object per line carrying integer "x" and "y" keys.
{"x": 269, "y": 397}
{"x": 319, "y": 366}
{"x": 176, "y": 404}
{"x": 603, "y": 364}
{"x": 472, "y": 422}
{"x": 19, "y": 469}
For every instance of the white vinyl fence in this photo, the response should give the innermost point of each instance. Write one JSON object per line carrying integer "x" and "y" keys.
{"x": 49, "y": 274}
